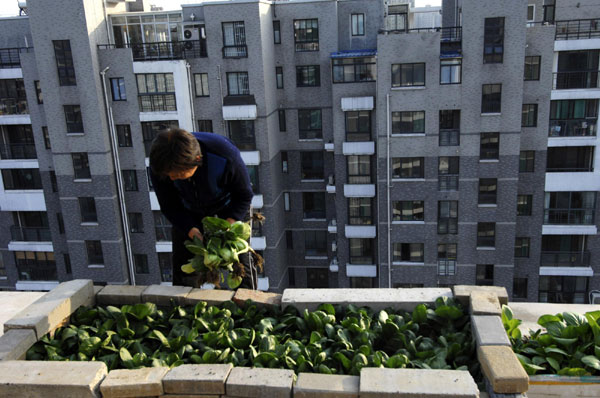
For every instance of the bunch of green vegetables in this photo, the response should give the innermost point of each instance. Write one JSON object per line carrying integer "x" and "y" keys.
{"x": 218, "y": 253}
{"x": 570, "y": 346}
{"x": 331, "y": 340}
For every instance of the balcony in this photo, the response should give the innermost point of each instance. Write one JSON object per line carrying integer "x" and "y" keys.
{"x": 577, "y": 29}
{"x": 573, "y": 128}
{"x": 239, "y": 51}
{"x": 565, "y": 259}
{"x": 30, "y": 234}
{"x": 160, "y": 51}
{"x": 13, "y": 106}
{"x": 575, "y": 80}
{"x": 9, "y": 58}
{"x": 569, "y": 216}
{"x": 17, "y": 151}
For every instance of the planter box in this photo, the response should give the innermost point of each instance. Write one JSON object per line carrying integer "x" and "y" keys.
{"x": 554, "y": 386}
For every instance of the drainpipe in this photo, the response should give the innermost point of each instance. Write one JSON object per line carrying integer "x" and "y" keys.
{"x": 189, "y": 76}
{"x": 222, "y": 101}
{"x": 119, "y": 180}
{"x": 389, "y": 187}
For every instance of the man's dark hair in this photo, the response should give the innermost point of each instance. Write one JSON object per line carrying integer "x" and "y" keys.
{"x": 174, "y": 150}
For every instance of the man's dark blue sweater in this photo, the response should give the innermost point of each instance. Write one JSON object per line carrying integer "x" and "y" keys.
{"x": 220, "y": 186}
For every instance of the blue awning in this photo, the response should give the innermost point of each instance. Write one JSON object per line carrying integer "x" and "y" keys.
{"x": 354, "y": 53}
{"x": 450, "y": 54}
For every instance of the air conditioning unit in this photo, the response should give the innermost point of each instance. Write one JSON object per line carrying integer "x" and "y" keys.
{"x": 191, "y": 32}
{"x": 595, "y": 297}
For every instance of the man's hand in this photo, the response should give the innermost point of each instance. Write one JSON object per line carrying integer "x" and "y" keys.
{"x": 195, "y": 232}
{"x": 231, "y": 220}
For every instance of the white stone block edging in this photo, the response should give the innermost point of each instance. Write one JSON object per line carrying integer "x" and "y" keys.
{"x": 555, "y": 386}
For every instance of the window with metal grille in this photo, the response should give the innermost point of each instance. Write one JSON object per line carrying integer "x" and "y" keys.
{"x": 308, "y": 76}
{"x": 234, "y": 40}
{"x": 237, "y": 83}
{"x": 73, "y": 118}
{"x": 446, "y": 258}
{"x": 359, "y": 169}
{"x": 358, "y": 126}
{"x": 124, "y": 135}
{"x": 162, "y": 227}
{"x": 156, "y": 92}
{"x": 360, "y": 211}
{"x": 448, "y": 171}
{"x": 306, "y": 34}
{"x": 117, "y": 86}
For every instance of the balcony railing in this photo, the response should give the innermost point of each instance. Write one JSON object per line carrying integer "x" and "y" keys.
{"x": 450, "y": 33}
{"x": 583, "y": 169}
{"x": 30, "y": 234}
{"x": 573, "y": 128}
{"x": 17, "y": 151}
{"x": 565, "y": 259}
{"x": 575, "y": 79}
{"x": 13, "y": 106}
{"x": 307, "y": 46}
{"x": 448, "y": 183}
{"x": 359, "y": 179}
{"x": 358, "y": 137}
{"x": 164, "y": 50}
{"x": 577, "y": 29}
{"x": 9, "y": 58}
{"x": 569, "y": 216}
{"x": 38, "y": 271}
{"x": 244, "y": 143}
{"x": 239, "y": 51}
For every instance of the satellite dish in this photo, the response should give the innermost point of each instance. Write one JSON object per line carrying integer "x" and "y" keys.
{"x": 22, "y": 7}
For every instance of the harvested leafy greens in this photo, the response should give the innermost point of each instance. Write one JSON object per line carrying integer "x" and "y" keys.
{"x": 333, "y": 339}
{"x": 570, "y": 346}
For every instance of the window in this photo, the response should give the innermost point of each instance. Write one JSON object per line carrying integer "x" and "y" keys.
{"x": 563, "y": 289}
{"x": 532, "y": 67}
{"x": 53, "y": 181}
{"x": 408, "y": 210}
{"x": 448, "y": 167}
{"x": 38, "y": 92}
{"x": 408, "y": 167}
{"x": 205, "y": 125}
{"x": 35, "y": 266}
{"x": 308, "y": 76}
{"x": 67, "y": 260}
{"x": 284, "y": 161}
{"x": 201, "y": 84}
{"x": 117, "y": 86}
{"x": 46, "y": 137}
{"x": 524, "y": 205}
{"x": 352, "y": 70}
{"x": 276, "y": 32}
{"x": 313, "y": 205}
{"x": 156, "y": 92}
{"x": 162, "y": 227}
{"x": 570, "y": 159}
{"x": 449, "y": 127}
{"x": 530, "y": 12}
{"x": 522, "y": 247}
{"x": 94, "y": 252}
{"x": 73, "y": 119}
{"x": 447, "y": 217}
{"x": 136, "y": 222}
{"x": 124, "y": 135}
{"x": 491, "y": 98}
{"x": 529, "y": 115}
{"x": 148, "y": 180}
{"x": 234, "y": 40}
{"x": 489, "y": 146}
{"x": 286, "y": 201}
{"x": 486, "y": 234}
{"x": 358, "y": 24}
{"x": 316, "y": 278}
{"x": 241, "y": 132}
{"x": 520, "y": 288}
{"x": 309, "y": 124}
{"x": 408, "y": 75}
{"x": 488, "y": 190}
{"x": 81, "y": 166}
{"x": 362, "y": 282}
{"x": 253, "y": 174}
{"x": 360, "y": 211}
{"x": 311, "y": 165}
{"x": 306, "y": 34}
{"x": 361, "y": 251}
{"x": 484, "y": 274}
{"x": 141, "y": 263}
{"x": 2, "y": 269}
{"x": 130, "y": 180}
{"x": 397, "y": 17}
{"x": 237, "y": 83}
{"x": 573, "y": 118}
{"x": 279, "y": 76}
{"x": 408, "y": 122}
{"x": 17, "y": 179}
{"x": 358, "y": 126}
{"x": 166, "y": 267}
{"x": 446, "y": 259}
{"x": 526, "y": 161}
{"x": 61, "y": 223}
{"x": 549, "y": 12}
{"x": 14, "y": 97}
{"x": 408, "y": 252}
{"x": 64, "y": 62}
{"x": 289, "y": 240}
{"x": 451, "y": 71}
{"x": 359, "y": 169}
{"x": 315, "y": 243}
{"x": 493, "y": 40}
{"x": 576, "y": 208}
{"x": 87, "y": 209}
{"x": 282, "y": 124}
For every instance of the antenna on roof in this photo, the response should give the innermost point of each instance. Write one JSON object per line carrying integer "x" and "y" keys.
{"x": 22, "y": 7}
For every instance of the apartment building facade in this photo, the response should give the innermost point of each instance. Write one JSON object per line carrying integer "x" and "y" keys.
{"x": 383, "y": 153}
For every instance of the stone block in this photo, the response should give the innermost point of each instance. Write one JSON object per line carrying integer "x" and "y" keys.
{"x": 144, "y": 382}
{"x": 197, "y": 379}
{"x": 259, "y": 297}
{"x": 51, "y": 379}
{"x": 421, "y": 383}
{"x": 555, "y": 386}
{"x": 211, "y": 296}
{"x": 488, "y": 330}
{"x": 502, "y": 368}
{"x": 315, "y": 385}
{"x": 482, "y": 303}
{"x": 50, "y": 310}
{"x": 259, "y": 382}
{"x": 492, "y": 394}
{"x": 377, "y": 299}
{"x": 191, "y": 396}
{"x": 463, "y": 292}
{"x": 162, "y": 295}
{"x": 15, "y": 343}
{"x": 120, "y": 295}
